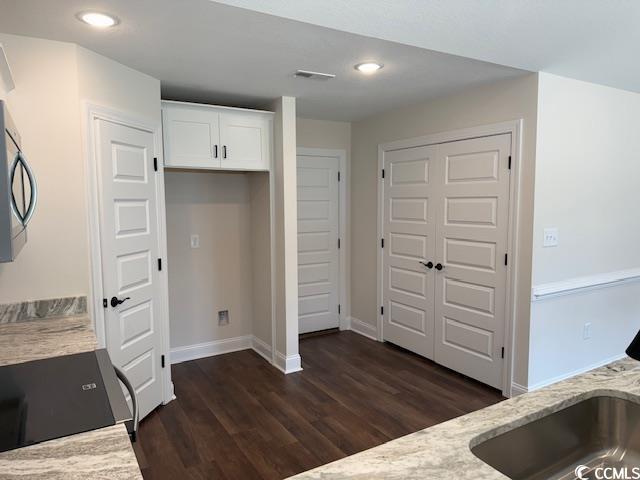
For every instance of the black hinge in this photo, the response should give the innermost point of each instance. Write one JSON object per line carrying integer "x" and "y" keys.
{"x": 381, "y": 310}
{"x": 155, "y": 164}
{"x": 506, "y": 258}
{"x": 383, "y": 173}
{"x": 338, "y": 309}
{"x": 502, "y": 352}
{"x": 509, "y": 162}
{"x": 162, "y": 360}
{"x": 104, "y": 303}
{"x": 160, "y": 264}
{"x": 338, "y": 176}
{"x": 338, "y": 244}
{"x": 382, "y": 242}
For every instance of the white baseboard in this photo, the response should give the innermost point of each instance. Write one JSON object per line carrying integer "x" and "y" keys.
{"x": 564, "y": 376}
{"x": 363, "y": 328}
{"x": 288, "y": 364}
{"x": 261, "y": 348}
{"x": 517, "y": 389}
{"x": 208, "y": 349}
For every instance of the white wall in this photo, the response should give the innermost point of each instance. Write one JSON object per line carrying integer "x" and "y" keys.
{"x": 323, "y": 134}
{"x": 498, "y": 102}
{"x": 45, "y": 108}
{"x": 218, "y": 275}
{"x": 261, "y": 255}
{"x": 587, "y": 185}
{"x": 105, "y": 82}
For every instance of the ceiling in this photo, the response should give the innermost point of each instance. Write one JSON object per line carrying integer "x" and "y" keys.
{"x": 592, "y": 40}
{"x": 210, "y": 52}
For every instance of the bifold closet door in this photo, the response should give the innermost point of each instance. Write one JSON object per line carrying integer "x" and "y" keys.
{"x": 410, "y": 186}
{"x": 471, "y": 243}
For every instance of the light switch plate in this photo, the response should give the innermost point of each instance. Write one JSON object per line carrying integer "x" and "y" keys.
{"x": 195, "y": 241}
{"x": 550, "y": 237}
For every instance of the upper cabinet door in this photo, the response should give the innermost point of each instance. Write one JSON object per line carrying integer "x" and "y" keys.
{"x": 245, "y": 139}
{"x": 191, "y": 136}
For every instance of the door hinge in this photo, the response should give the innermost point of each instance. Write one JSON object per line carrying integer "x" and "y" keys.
{"x": 506, "y": 258}
{"x": 338, "y": 309}
{"x": 338, "y": 176}
{"x": 381, "y": 310}
{"x": 509, "y": 162}
{"x": 382, "y": 243}
{"x": 105, "y": 304}
{"x": 502, "y": 352}
{"x": 383, "y": 173}
{"x": 155, "y": 164}
{"x": 160, "y": 264}
{"x": 338, "y": 244}
{"x": 162, "y": 360}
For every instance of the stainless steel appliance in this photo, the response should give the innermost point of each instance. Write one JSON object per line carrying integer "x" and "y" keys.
{"x": 60, "y": 396}
{"x": 18, "y": 189}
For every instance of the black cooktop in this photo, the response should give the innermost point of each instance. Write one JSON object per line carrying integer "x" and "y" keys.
{"x": 54, "y": 397}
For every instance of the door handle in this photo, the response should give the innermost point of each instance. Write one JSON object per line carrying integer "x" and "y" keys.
{"x": 115, "y": 301}
{"x": 224, "y": 151}
{"x": 215, "y": 151}
{"x": 439, "y": 266}
{"x": 429, "y": 264}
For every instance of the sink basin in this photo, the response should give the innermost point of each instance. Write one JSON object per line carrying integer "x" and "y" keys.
{"x": 597, "y": 432}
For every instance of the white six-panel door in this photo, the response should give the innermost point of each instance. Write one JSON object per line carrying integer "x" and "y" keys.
{"x": 447, "y": 206}
{"x": 318, "y": 234}
{"x": 129, "y": 249}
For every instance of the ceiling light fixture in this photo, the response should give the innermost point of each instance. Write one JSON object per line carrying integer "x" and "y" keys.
{"x": 98, "y": 20}
{"x": 368, "y": 67}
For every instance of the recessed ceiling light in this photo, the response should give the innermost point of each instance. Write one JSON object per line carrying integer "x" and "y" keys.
{"x": 368, "y": 67}
{"x": 99, "y": 20}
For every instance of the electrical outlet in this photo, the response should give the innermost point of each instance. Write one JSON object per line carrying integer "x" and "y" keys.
{"x": 223, "y": 318}
{"x": 550, "y": 237}
{"x": 195, "y": 241}
{"x": 586, "y": 331}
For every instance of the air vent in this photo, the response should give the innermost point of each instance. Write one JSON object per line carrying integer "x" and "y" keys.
{"x": 313, "y": 75}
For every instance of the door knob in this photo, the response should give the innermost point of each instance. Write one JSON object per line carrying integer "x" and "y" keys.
{"x": 115, "y": 301}
{"x": 428, "y": 264}
{"x": 439, "y": 266}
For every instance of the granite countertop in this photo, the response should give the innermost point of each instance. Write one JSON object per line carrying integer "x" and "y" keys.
{"x": 104, "y": 453}
{"x": 443, "y": 451}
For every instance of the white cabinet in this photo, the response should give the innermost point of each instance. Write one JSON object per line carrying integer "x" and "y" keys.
{"x": 220, "y": 138}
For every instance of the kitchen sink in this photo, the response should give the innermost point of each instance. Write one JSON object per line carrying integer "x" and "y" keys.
{"x": 597, "y": 432}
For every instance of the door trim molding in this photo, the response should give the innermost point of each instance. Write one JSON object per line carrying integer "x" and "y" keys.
{"x": 92, "y": 113}
{"x": 345, "y": 239}
{"x": 513, "y": 127}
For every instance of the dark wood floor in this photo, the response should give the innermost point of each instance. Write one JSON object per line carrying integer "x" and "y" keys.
{"x": 236, "y": 417}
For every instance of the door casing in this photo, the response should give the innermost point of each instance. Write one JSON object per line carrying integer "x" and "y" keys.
{"x": 345, "y": 241}
{"x": 92, "y": 114}
{"x": 515, "y": 129}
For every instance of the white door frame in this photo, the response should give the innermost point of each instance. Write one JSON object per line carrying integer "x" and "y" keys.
{"x": 514, "y": 128}
{"x": 92, "y": 113}
{"x": 345, "y": 240}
